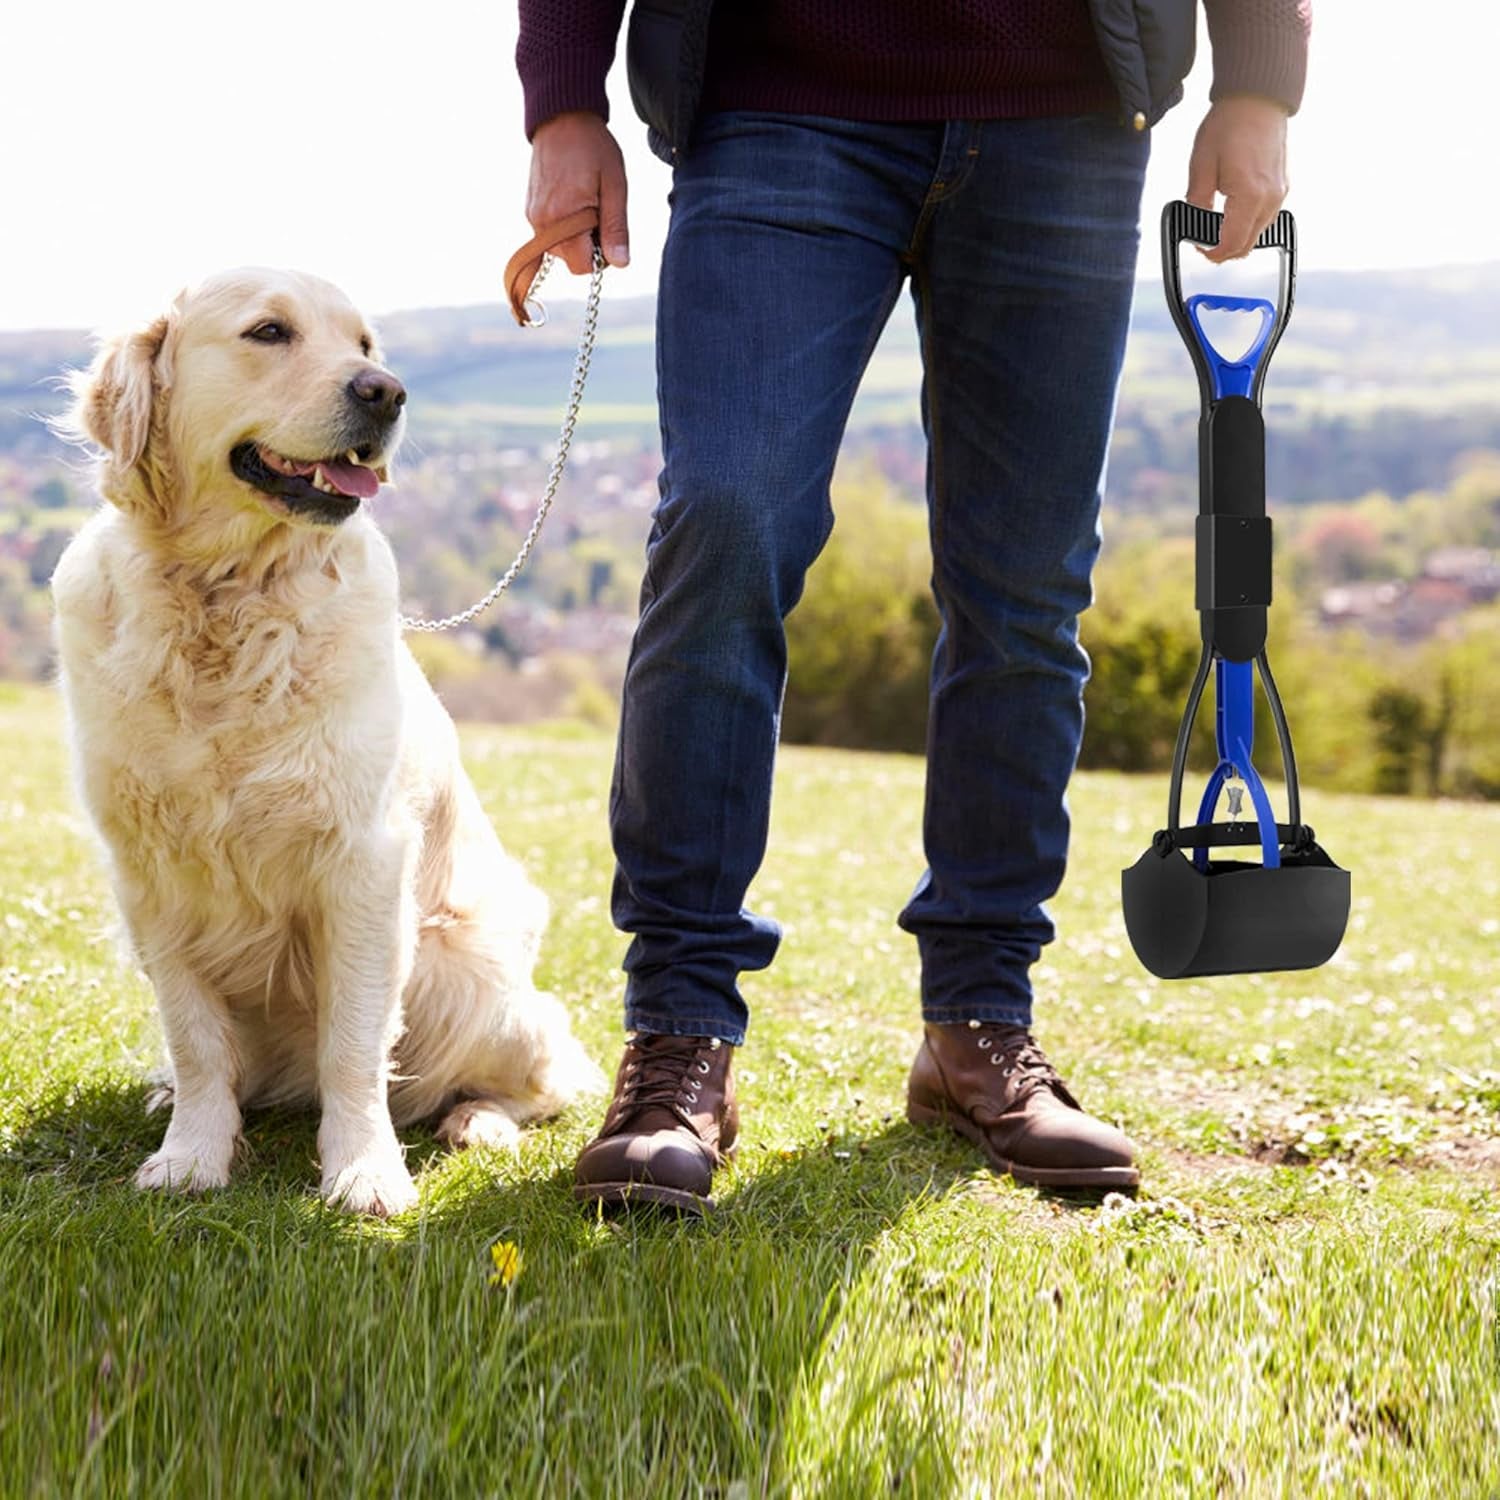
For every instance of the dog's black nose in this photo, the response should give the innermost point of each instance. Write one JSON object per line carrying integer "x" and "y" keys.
{"x": 380, "y": 394}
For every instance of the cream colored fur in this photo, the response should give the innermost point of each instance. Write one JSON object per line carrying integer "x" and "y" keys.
{"x": 303, "y": 866}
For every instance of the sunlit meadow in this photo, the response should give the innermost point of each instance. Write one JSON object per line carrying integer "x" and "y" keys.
{"x": 1302, "y": 1300}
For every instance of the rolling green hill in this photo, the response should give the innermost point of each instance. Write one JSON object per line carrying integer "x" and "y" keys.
{"x": 1383, "y": 379}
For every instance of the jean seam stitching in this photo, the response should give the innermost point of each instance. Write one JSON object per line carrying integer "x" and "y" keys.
{"x": 941, "y": 190}
{"x": 680, "y": 1020}
{"x": 706, "y": 1026}
{"x": 964, "y": 1012}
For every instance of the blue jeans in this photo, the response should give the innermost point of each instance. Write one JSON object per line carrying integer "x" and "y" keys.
{"x": 789, "y": 241}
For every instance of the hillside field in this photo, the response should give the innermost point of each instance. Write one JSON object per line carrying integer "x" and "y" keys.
{"x": 1304, "y": 1300}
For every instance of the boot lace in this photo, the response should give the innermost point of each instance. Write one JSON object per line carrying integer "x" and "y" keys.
{"x": 663, "y": 1072}
{"x": 1014, "y": 1052}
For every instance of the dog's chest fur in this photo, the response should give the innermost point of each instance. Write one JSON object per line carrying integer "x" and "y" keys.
{"x": 233, "y": 733}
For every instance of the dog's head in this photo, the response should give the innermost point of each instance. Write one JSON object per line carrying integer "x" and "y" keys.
{"x": 259, "y": 398}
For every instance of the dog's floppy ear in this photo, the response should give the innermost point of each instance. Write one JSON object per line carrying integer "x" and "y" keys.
{"x": 118, "y": 403}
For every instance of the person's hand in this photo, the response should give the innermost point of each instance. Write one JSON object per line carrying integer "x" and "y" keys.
{"x": 1240, "y": 151}
{"x": 576, "y": 163}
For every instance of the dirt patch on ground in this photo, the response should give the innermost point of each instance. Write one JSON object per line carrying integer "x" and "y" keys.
{"x": 1479, "y": 1155}
{"x": 1463, "y": 1153}
{"x": 1210, "y": 1163}
{"x": 1268, "y": 1128}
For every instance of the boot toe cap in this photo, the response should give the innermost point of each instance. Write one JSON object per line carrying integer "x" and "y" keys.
{"x": 667, "y": 1158}
{"x": 1070, "y": 1138}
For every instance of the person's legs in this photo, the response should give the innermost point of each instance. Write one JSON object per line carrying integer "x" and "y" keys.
{"x": 784, "y": 257}
{"x": 1023, "y": 282}
{"x": 782, "y": 263}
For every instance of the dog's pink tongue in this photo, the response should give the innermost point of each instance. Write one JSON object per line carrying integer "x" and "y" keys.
{"x": 350, "y": 479}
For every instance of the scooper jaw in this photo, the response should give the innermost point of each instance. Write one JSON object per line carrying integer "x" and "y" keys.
{"x": 1188, "y": 914}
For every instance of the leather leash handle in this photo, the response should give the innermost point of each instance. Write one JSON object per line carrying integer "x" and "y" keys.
{"x": 521, "y": 269}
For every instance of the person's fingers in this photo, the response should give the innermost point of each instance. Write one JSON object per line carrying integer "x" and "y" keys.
{"x": 1254, "y": 209}
{"x": 1203, "y": 176}
{"x": 577, "y": 254}
{"x": 614, "y": 227}
{"x": 1239, "y": 152}
{"x": 576, "y": 164}
{"x": 1237, "y": 237}
{"x": 551, "y": 197}
{"x": 553, "y": 200}
{"x": 1261, "y": 218}
{"x": 540, "y": 190}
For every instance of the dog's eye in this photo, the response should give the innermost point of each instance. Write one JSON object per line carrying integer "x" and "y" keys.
{"x": 365, "y": 346}
{"x": 269, "y": 332}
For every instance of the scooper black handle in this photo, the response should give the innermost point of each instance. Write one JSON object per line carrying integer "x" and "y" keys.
{"x": 1182, "y": 222}
{"x": 1233, "y": 530}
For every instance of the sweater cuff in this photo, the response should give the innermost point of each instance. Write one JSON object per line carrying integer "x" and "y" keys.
{"x": 1251, "y": 57}
{"x": 558, "y": 82}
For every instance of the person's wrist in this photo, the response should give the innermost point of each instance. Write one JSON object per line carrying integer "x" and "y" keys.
{"x": 571, "y": 119}
{"x": 1243, "y": 100}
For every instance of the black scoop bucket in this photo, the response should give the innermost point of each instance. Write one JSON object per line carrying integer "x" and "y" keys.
{"x": 1189, "y": 914}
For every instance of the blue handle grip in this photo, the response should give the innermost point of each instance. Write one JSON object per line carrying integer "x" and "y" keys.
{"x": 1233, "y": 377}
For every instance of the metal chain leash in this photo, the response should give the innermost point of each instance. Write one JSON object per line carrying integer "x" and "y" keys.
{"x": 559, "y": 462}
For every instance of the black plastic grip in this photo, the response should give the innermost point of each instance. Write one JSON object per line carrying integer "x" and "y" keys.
{"x": 1185, "y": 221}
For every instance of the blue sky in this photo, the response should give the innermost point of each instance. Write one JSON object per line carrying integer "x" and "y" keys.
{"x": 380, "y": 145}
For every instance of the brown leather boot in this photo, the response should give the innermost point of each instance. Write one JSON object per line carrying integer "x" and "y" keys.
{"x": 672, "y": 1121}
{"x": 993, "y": 1084}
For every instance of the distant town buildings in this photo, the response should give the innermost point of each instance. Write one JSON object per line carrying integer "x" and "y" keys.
{"x": 1452, "y": 580}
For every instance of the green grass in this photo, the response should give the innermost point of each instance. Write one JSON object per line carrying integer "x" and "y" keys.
{"x": 1303, "y": 1301}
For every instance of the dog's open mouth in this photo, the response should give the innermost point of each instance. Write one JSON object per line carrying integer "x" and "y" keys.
{"x": 326, "y": 490}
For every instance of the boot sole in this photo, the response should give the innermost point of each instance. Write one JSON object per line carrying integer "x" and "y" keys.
{"x": 1118, "y": 1178}
{"x": 639, "y": 1194}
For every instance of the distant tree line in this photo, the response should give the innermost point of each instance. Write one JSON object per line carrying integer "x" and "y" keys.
{"x": 1366, "y": 714}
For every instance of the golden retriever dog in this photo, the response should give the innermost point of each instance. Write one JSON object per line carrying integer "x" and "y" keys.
{"x": 304, "y": 869}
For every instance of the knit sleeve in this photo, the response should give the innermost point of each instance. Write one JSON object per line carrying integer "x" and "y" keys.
{"x": 1260, "y": 47}
{"x": 563, "y": 55}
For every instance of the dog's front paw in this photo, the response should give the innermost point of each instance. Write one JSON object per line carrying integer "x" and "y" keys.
{"x": 376, "y": 1183}
{"x": 182, "y": 1170}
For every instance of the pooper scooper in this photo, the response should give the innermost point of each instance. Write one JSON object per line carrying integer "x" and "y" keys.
{"x": 1188, "y": 910}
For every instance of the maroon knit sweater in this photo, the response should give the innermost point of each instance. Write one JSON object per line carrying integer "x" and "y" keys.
{"x": 901, "y": 59}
